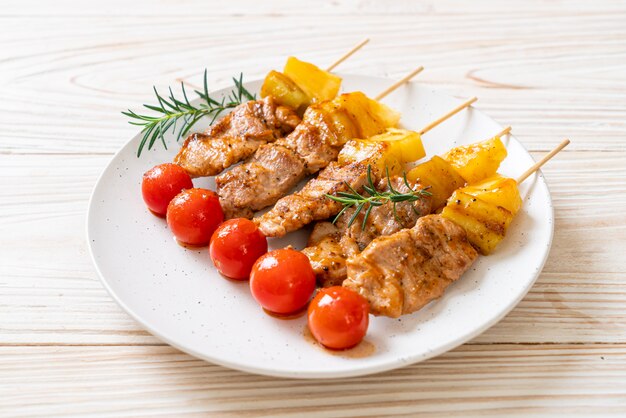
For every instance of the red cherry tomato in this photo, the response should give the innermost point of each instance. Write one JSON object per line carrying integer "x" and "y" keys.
{"x": 235, "y": 246}
{"x": 282, "y": 281}
{"x": 338, "y": 317}
{"x": 193, "y": 215}
{"x": 161, "y": 183}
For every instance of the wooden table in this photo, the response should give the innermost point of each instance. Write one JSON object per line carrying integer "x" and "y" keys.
{"x": 551, "y": 69}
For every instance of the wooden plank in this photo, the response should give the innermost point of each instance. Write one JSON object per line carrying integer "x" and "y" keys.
{"x": 51, "y": 294}
{"x": 549, "y": 75}
{"x": 146, "y": 8}
{"x": 502, "y": 380}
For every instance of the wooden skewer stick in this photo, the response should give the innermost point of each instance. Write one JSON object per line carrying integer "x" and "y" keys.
{"x": 541, "y": 162}
{"x": 503, "y": 132}
{"x": 329, "y": 68}
{"x": 398, "y": 83}
{"x": 347, "y": 54}
{"x": 448, "y": 115}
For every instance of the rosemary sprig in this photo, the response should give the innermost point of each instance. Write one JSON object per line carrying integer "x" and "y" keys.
{"x": 172, "y": 111}
{"x": 375, "y": 198}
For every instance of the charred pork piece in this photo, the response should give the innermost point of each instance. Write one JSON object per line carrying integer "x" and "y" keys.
{"x": 236, "y": 137}
{"x": 401, "y": 273}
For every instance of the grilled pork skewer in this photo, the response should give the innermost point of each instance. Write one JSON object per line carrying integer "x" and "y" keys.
{"x": 401, "y": 273}
{"x": 311, "y": 204}
{"x": 277, "y": 167}
{"x": 240, "y": 133}
{"x": 331, "y": 244}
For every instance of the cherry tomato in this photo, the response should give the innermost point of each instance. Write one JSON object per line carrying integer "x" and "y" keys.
{"x": 235, "y": 246}
{"x": 161, "y": 183}
{"x": 338, "y": 317}
{"x": 193, "y": 215}
{"x": 282, "y": 281}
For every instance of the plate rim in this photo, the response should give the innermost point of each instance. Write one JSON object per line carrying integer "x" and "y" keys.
{"x": 399, "y": 362}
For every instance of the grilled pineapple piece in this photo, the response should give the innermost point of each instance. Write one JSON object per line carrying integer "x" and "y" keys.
{"x": 498, "y": 190}
{"x": 484, "y": 222}
{"x": 375, "y": 154}
{"x": 352, "y": 115}
{"x": 370, "y": 116}
{"x": 316, "y": 83}
{"x": 478, "y": 161}
{"x": 285, "y": 91}
{"x": 442, "y": 178}
{"x": 334, "y": 114}
{"x": 406, "y": 145}
{"x": 387, "y": 151}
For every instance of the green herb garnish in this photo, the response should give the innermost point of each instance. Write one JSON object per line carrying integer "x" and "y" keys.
{"x": 172, "y": 111}
{"x": 375, "y": 198}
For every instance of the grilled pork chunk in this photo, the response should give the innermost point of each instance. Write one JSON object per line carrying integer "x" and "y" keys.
{"x": 294, "y": 211}
{"x": 253, "y": 185}
{"x": 273, "y": 170}
{"x": 400, "y": 273}
{"x": 330, "y": 245}
{"x": 326, "y": 254}
{"x": 236, "y": 137}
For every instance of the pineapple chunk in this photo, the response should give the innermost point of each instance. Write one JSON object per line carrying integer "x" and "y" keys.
{"x": 373, "y": 153}
{"x": 369, "y": 116}
{"x": 442, "y": 178}
{"x": 285, "y": 91}
{"x": 352, "y": 115}
{"x": 316, "y": 83}
{"x": 387, "y": 151}
{"x": 334, "y": 120}
{"x": 498, "y": 190}
{"x": 478, "y": 161}
{"x": 484, "y": 222}
{"x": 406, "y": 145}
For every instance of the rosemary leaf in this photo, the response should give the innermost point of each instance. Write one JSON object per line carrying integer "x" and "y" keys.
{"x": 340, "y": 213}
{"x": 179, "y": 114}
{"x": 375, "y": 198}
{"x": 358, "y": 210}
{"x": 366, "y": 217}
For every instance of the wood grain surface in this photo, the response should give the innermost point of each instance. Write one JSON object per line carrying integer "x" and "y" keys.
{"x": 551, "y": 69}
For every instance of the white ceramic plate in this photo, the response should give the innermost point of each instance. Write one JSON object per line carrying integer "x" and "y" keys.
{"x": 177, "y": 295}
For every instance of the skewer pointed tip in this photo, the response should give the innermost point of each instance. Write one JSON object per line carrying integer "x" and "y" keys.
{"x": 398, "y": 83}
{"x": 348, "y": 54}
{"x": 415, "y": 72}
{"x": 448, "y": 115}
{"x": 503, "y": 132}
{"x": 544, "y": 160}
